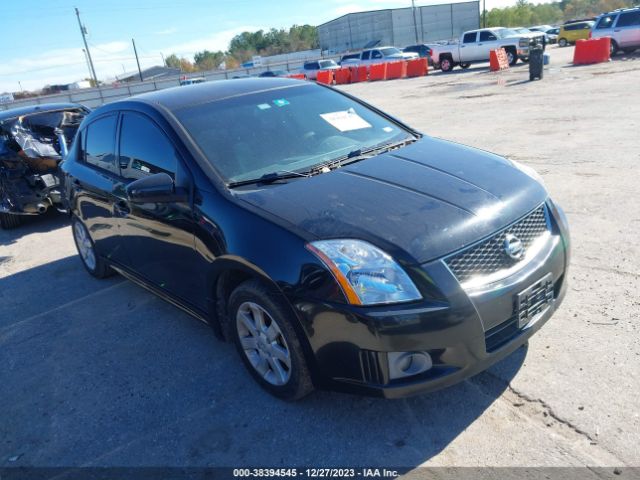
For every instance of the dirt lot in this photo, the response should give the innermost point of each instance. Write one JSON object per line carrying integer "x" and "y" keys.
{"x": 103, "y": 373}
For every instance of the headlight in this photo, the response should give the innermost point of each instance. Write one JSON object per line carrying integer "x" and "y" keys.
{"x": 528, "y": 171}
{"x": 366, "y": 274}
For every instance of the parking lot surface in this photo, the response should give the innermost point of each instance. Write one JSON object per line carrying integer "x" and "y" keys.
{"x": 102, "y": 373}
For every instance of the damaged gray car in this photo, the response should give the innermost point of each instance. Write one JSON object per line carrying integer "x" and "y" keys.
{"x": 33, "y": 142}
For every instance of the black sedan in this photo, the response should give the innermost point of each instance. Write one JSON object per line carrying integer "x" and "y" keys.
{"x": 334, "y": 245}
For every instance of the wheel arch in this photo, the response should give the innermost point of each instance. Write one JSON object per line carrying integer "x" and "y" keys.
{"x": 225, "y": 275}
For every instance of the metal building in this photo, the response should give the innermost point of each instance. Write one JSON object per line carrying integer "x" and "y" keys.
{"x": 399, "y": 26}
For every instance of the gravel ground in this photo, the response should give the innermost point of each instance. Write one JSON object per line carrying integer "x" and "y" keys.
{"x": 102, "y": 373}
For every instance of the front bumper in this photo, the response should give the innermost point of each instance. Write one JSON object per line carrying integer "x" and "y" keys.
{"x": 465, "y": 331}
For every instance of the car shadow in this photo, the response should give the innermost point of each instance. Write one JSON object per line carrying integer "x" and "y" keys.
{"x": 51, "y": 220}
{"x": 103, "y": 373}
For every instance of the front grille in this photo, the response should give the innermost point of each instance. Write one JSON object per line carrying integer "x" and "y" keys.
{"x": 488, "y": 256}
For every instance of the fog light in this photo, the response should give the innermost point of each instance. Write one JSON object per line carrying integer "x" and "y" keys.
{"x": 406, "y": 364}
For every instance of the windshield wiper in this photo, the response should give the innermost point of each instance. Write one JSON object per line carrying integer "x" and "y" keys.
{"x": 269, "y": 178}
{"x": 362, "y": 154}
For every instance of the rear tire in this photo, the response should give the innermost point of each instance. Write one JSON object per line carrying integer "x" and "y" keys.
{"x": 563, "y": 42}
{"x": 9, "y": 221}
{"x": 446, "y": 64}
{"x": 263, "y": 332}
{"x": 93, "y": 263}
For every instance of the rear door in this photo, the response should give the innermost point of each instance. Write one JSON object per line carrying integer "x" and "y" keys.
{"x": 95, "y": 181}
{"x": 468, "y": 47}
{"x": 158, "y": 236}
{"x": 487, "y": 41}
{"x": 627, "y": 29}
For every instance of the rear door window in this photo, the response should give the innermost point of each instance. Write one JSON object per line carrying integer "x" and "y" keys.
{"x": 469, "y": 37}
{"x": 366, "y": 55}
{"x": 629, "y": 19}
{"x": 99, "y": 143}
{"x": 376, "y": 54}
{"x": 144, "y": 148}
{"x": 487, "y": 37}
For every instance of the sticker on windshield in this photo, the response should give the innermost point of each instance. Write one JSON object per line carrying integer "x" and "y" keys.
{"x": 264, "y": 106}
{"x": 346, "y": 120}
{"x": 280, "y": 102}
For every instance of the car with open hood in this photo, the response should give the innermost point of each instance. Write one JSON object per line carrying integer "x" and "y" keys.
{"x": 33, "y": 140}
{"x": 334, "y": 245}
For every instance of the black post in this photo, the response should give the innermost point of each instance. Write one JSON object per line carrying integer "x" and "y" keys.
{"x": 137, "y": 61}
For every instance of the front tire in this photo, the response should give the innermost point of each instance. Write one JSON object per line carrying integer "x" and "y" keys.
{"x": 8, "y": 221}
{"x": 93, "y": 263}
{"x": 613, "y": 48}
{"x": 264, "y": 335}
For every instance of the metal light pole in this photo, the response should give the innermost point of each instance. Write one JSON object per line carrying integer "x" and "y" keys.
{"x": 484, "y": 13}
{"x": 83, "y": 31}
{"x": 137, "y": 61}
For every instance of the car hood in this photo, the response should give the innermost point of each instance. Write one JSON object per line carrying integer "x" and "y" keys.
{"x": 418, "y": 203}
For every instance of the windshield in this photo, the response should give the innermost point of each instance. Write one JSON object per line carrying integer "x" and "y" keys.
{"x": 327, "y": 63}
{"x": 390, "y": 51}
{"x": 293, "y": 129}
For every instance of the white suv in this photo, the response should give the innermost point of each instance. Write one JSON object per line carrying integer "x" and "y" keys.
{"x": 623, "y": 26}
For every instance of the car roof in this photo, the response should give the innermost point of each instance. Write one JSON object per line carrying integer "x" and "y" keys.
{"x": 176, "y": 97}
{"x": 29, "y": 109}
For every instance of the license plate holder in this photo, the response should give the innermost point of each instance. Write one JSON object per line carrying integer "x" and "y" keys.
{"x": 532, "y": 302}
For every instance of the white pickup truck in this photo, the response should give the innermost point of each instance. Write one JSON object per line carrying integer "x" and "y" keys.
{"x": 378, "y": 55}
{"x": 475, "y": 45}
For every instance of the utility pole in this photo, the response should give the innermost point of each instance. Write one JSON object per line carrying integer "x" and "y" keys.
{"x": 83, "y": 31}
{"x": 164, "y": 62}
{"x": 137, "y": 61}
{"x": 415, "y": 22}
{"x": 20, "y": 83}
{"x": 484, "y": 13}
{"x": 86, "y": 59}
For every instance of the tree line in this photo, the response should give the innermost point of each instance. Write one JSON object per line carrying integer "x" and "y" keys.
{"x": 247, "y": 44}
{"x": 524, "y": 14}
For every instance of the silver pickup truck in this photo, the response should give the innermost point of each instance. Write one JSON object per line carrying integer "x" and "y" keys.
{"x": 475, "y": 45}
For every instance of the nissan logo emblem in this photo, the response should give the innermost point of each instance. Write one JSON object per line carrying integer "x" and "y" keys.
{"x": 513, "y": 247}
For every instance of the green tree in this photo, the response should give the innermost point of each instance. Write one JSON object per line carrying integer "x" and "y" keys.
{"x": 207, "y": 60}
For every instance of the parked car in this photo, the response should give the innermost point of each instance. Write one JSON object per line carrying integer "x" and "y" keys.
{"x": 571, "y": 32}
{"x": 423, "y": 50}
{"x": 192, "y": 81}
{"x": 476, "y": 45}
{"x": 550, "y": 32}
{"x": 335, "y": 246}
{"x": 349, "y": 56}
{"x": 380, "y": 55}
{"x": 310, "y": 69}
{"x": 274, "y": 73}
{"x": 33, "y": 141}
{"x": 623, "y": 26}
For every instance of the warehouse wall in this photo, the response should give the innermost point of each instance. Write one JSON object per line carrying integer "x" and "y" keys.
{"x": 397, "y": 27}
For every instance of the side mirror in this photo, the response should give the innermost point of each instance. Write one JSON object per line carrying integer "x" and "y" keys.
{"x": 157, "y": 188}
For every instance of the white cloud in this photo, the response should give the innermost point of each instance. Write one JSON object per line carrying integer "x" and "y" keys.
{"x": 61, "y": 66}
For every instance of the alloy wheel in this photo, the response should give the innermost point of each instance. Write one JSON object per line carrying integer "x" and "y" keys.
{"x": 263, "y": 343}
{"x": 85, "y": 246}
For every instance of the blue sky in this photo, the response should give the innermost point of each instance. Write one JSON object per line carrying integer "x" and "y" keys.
{"x": 42, "y": 43}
